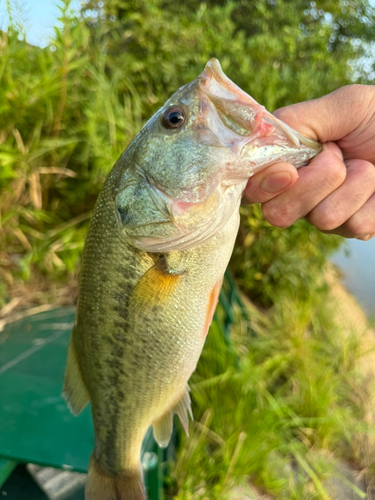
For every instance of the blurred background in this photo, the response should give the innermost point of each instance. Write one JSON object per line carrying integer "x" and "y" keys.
{"x": 283, "y": 396}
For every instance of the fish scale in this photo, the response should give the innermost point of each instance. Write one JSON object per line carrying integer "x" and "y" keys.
{"x": 159, "y": 242}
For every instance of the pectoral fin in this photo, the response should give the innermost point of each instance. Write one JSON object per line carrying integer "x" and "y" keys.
{"x": 155, "y": 287}
{"x": 163, "y": 426}
{"x": 74, "y": 390}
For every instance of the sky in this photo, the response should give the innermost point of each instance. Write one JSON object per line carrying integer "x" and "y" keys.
{"x": 41, "y": 16}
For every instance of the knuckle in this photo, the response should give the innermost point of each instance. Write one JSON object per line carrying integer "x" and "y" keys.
{"x": 336, "y": 170}
{"x": 324, "y": 220}
{"x": 359, "y": 226}
{"x": 355, "y": 93}
{"x": 369, "y": 172}
{"x": 363, "y": 169}
{"x": 284, "y": 113}
{"x": 254, "y": 193}
{"x": 367, "y": 237}
{"x": 351, "y": 90}
{"x": 277, "y": 216}
{"x": 357, "y": 96}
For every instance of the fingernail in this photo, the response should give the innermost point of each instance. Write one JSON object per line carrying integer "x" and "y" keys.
{"x": 276, "y": 182}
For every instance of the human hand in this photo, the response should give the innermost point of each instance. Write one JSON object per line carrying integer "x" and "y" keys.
{"x": 335, "y": 192}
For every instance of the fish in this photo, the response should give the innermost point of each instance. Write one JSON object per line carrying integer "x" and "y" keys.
{"x": 160, "y": 239}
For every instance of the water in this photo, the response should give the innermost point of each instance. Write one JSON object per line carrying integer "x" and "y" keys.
{"x": 359, "y": 271}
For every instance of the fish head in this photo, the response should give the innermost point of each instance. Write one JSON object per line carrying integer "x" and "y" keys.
{"x": 184, "y": 174}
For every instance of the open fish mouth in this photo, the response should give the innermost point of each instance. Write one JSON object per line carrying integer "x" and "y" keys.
{"x": 240, "y": 113}
{"x": 230, "y": 138}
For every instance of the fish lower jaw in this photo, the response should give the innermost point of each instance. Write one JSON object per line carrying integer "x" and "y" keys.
{"x": 189, "y": 238}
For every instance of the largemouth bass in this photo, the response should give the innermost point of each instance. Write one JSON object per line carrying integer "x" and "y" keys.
{"x": 159, "y": 242}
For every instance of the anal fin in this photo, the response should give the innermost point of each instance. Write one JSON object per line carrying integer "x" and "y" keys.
{"x": 164, "y": 425}
{"x": 74, "y": 390}
{"x": 163, "y": 429}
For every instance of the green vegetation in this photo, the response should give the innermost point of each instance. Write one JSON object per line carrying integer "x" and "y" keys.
{"x": 280, "y": 403}
{"x": 278, "y": 409}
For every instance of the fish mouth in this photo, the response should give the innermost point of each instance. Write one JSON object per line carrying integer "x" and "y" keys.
{"x": 250, "y": 121}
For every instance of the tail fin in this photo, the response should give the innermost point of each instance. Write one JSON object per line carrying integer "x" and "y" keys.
{"x": 101, "y": 486}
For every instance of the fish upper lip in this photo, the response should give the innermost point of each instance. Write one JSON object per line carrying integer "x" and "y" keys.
{"x": 225, "y": 88}
{"x": 217, "y": 86}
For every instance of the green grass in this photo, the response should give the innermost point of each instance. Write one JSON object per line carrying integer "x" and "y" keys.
{"x": 277, "y": 409}
{"x": 63, "y": 124}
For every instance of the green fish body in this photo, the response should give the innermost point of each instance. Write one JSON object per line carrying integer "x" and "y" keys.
{"x": 159, "y": 242}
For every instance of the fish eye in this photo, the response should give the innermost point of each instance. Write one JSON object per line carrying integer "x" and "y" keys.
{"x": 173, "y": 118}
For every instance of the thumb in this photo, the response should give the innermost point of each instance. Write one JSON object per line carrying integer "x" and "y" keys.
{"x": 333, "y": 116}
{"x": 270, "y": 182}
